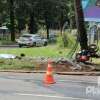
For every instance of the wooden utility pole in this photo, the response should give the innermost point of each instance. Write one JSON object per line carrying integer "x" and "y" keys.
{"x": 80, "y": 24}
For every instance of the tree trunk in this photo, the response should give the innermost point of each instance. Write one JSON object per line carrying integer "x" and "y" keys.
{"x": 47, "y": 24}
{"x": 31, "y": 25}
{"x": 47, "y": 31}
{"x": 61, "y": 22}
{"x": 64, "y": 37}
{"x": 12, "y": 18}
{"x": 33, "y": 28}
{"x": 80, "y": 24}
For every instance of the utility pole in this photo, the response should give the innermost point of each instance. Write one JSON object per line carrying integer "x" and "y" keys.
{"x": 80, "y": 24}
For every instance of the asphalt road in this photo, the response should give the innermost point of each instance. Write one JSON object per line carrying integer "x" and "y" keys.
{"x": 21, "y": 86}
{"x": 9, "y": 46}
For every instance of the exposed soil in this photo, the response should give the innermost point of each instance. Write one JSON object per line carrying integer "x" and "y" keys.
{"x": 64, "y": 67}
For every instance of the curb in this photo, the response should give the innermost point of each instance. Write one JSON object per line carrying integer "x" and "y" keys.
{"x": 59, "y": 73}
{"x": 22, "y": 71}
{"x": 79, "y": 73}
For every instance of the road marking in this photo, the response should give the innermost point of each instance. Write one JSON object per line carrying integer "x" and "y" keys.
{"x": 50, "y": 96}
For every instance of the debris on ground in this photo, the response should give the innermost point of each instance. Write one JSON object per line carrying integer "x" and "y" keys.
{"x": 7, "y": 56}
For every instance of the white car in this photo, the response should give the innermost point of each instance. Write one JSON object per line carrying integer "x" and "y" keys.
{"x": 31, "y": 40}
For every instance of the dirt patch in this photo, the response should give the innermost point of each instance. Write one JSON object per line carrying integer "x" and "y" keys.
{"x": 37, "y": 64}
{"x": 63, "y": 67}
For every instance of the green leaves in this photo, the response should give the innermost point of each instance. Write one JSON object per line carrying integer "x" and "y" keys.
{"x": 50, "y": 12}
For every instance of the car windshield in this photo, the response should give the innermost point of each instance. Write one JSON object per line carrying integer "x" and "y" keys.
{"x": 37, "y": 37}
{"x": 26, "y": 36}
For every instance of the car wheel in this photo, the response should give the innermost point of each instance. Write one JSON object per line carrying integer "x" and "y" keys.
{"x": 45, "y": 43}
{"x": 34, "y": 44}
{"x": 20, "y": 45}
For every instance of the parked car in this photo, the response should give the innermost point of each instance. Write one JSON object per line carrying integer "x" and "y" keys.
{"x": 52, "y": 37}
{"x": 31, "y": 40}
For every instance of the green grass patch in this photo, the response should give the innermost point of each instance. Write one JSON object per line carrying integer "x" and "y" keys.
{"x": 49, "y": 51}
{"x": 16, "y": 64}
{"x": 97, "y": 62}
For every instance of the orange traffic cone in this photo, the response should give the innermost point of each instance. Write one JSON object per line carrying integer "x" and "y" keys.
{"x": 49, "y": 74}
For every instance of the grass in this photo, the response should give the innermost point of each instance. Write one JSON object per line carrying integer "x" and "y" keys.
{"x": 97, "y": 62}
{"x": 16, "y": 64}
{"x": 49, "y": 51}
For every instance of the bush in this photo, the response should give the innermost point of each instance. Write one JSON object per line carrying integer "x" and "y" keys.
{"x": 67, "y": 40}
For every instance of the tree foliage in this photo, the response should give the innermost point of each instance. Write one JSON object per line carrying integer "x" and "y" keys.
{"x": 34, "y": 13}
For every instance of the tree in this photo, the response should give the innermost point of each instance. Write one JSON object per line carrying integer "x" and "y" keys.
{"x": 3, "y": 12}
{"x": 80, "y": 24}
{"x": 12, "y": 19}
{"x": 53, "y": 13}
{"x": 33, "y": 27}
{"x": 22, "y": 13}
{"x": 63, "y": 13}
{"x": 71, "y": 14}
{"x": 25, "y": 14}
{"x": 46, "y": 11}
{"x": 49, "y": 13}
